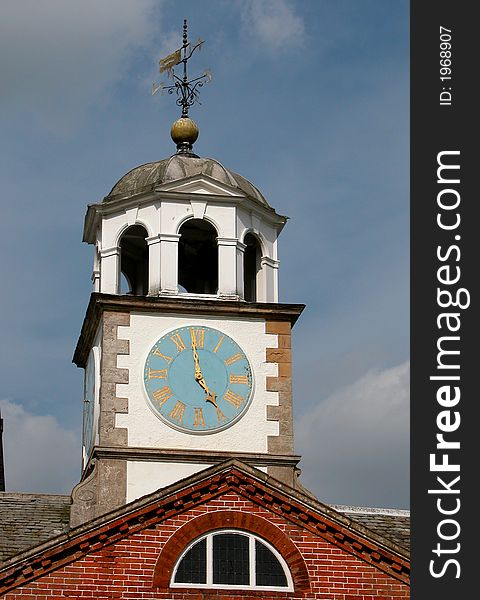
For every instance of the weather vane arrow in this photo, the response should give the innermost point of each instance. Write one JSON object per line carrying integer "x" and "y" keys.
{"x": 187, "y": 91}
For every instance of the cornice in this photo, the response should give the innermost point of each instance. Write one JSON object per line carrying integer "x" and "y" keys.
{"x": 156, "y": 194}
{"x": 204, "y": 457}
{"x": 99, "y": 303}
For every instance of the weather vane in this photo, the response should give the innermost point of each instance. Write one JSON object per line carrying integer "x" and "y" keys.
{"x": 187, "y": 91}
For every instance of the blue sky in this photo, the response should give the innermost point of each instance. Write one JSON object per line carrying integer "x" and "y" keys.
{"x": 309, "y": 101}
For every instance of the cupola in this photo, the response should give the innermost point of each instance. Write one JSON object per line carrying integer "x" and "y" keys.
{"x": 185, "y": 225}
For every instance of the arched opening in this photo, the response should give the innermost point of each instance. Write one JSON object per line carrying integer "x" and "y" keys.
{"x": 246, "y": 522}
{"x": 134, "y": 261}
{"x": 232, "y": 559}
{"x": 198, "y": 257}
{"x": 251, "y": 267}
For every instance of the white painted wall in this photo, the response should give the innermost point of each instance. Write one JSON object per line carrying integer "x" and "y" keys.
{"x": 145, "y": 429}
{"x": 147, "y": 477}
{"x": 162, "y": 217}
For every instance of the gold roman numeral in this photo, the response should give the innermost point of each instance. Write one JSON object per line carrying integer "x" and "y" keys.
{"x": 233, "y": 359}
{"x": 162, "y": 395}
{"x": 239, "y": 379}
{"x": 177, "y": 340}
{"x": 219, "y": 343}
{"x": 168, "y": 359}
{"x": 157, "y": 374}
{"x": 198, "y": 420}
{"x": 221, "y": 418}
{"x": 177, "y": 411}
{"x": 198, "y": 337}
{"x": 234, "y": 399}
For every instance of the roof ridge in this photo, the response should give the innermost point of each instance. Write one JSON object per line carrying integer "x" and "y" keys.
{"x": 346, "y": 508}
{"x": 32, "y": 495}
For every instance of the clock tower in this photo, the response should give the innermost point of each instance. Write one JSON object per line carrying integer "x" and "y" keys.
{"x": 185, "y": 346}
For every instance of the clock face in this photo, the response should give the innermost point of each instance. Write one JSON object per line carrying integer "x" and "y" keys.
{"x": 198, "y": 379}
{"x": 89, "y": 403}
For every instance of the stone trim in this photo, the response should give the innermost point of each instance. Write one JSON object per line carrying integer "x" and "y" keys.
{"x": 282, "y": 384}
{"x": 230, "y": 519}
{"x": 113, "y": 251}
{"x": 110, "y": 376}
{"x": 180, "y": 455}
{"x": 102, "y": 303}
{"x": 103, "y": 490}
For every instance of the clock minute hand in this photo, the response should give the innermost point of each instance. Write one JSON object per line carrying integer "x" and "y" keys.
{"x": 211, "y": 396}
{"x": 198, "y": 372}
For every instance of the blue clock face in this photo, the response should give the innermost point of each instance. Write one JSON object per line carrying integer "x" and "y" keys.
{"x": 198, "y": 379}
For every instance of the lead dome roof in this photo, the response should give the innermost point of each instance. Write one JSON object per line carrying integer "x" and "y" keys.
{"x": 145, "y": 177}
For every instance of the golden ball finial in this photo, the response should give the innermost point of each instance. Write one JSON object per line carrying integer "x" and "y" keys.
{"x": 184, "y": 133}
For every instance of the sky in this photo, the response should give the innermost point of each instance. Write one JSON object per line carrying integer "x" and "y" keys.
{"x": 310, "y": 102}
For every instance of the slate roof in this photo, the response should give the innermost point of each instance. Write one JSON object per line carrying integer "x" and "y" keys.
{"x": 27, "y": 520}
{"x": 177, "y": 167}
{"x": 390, "y": 523}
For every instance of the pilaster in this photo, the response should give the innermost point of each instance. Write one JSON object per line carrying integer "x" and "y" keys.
{"x": 169, "y": 262}
{"x": 110, "y": 270}
{"x": 270, "y": 279}
{"x": 154, "y": 262}
{"x": 227, "y": 267}
{"x": 240, "y": 286}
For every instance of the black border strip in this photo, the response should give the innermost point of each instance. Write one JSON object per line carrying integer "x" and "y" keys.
{"x": 450, "y": 127}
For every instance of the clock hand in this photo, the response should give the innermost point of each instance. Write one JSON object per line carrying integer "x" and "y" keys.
{"x": 198, "y": 372}
{"x": 211, "y": 396}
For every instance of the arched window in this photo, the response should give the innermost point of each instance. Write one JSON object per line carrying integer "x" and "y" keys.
{"x": 232, "y": 558}
{"x": 251, "y": 267}
{"x": 198, "y": 257}
{"x": 134, "y": 261}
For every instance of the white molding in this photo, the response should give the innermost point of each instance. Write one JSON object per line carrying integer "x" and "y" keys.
{"x": 199, "y": 184}
{"x": 169, "y": 237}
{"x": 224, "y": 241}
{"x": 270, "y": 262}
{"x": 114, "y": 251}
{"x": 198, "y": 208}
{"x": 154, "y": 239}
{"x": 131, "y": 215}
{"x": 241, "y": 246}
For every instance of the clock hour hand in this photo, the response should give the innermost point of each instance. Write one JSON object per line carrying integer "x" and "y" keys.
{"x": 211, "y": 396}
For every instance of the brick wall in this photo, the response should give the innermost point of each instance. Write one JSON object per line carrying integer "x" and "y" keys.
{"x": 126, "y": 569}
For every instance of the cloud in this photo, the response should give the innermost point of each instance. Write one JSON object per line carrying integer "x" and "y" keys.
{"x": 58, "y": 57}
{"x": 273, "y": 22}
{"x": 40, "y": 454}
{"x": 355, "y": 443}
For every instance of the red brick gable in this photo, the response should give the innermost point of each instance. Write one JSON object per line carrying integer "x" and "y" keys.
{"x": 122, "y": 555}
{"x": 234, "y": 519}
